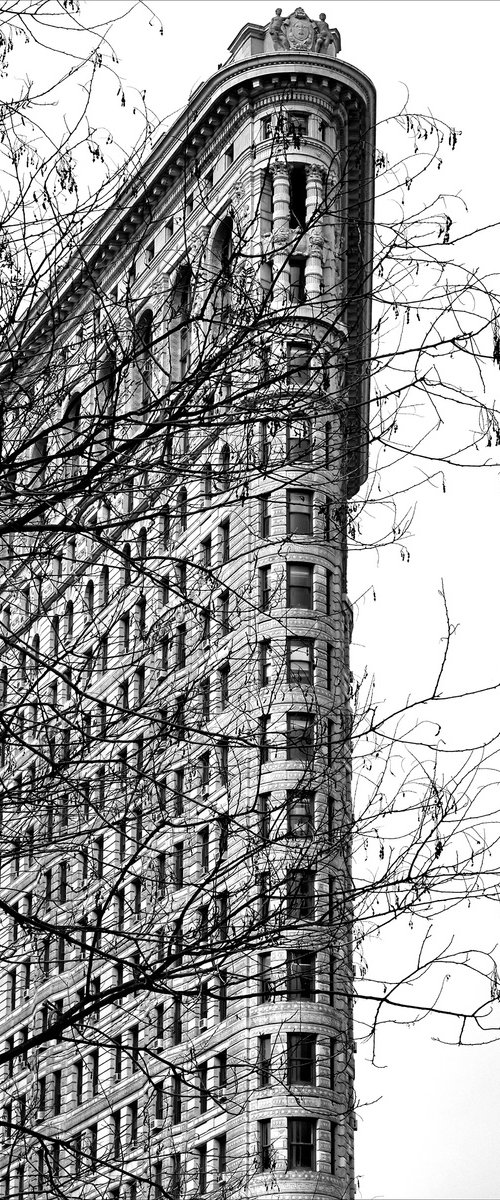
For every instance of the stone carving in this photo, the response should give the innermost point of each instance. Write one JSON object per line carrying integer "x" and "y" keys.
{"x": 299, "y": 32}
{"x": 278, "y": 31}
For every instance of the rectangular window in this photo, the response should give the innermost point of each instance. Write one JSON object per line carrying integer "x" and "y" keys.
{"x": 333, "y": 1055}
{"x": 177, "y": 1021}
{"x": 329, "y": 588}
{"x": 266, "y": 990}
{"x": 301, "y": 969}
{"x": 299, "y": 441}
{"x": 205, "y": 699}
{"x": 224, "y": 614}
{"x": 202, "y": 1170}
{"x": 264, "y": 662}
{"x": 176, "y": 1099}
{"x": 265, "y": 517}
{"x": 301, "y": 1059}
{"x": 133, "y": 1123}
{"x": 264, "y": 1144}
{"x": 333, "y": 1147}
{"x": 299, "y": 512}
{"x": 203, "y": 1088}
{"x": 299, "y": 585}
{"x": 264, "y": 1060}
{"x": 301, "y": 1144}
{"x": 181, "y": 646}
{"x": 221, "y": 1156}
{"x": 300, "y": 737}
{"x": 329, "y": 667}
{"x": 224, "y": 542}
{"x": 300, "y": 661}
{"x": 179, "y": 792}
{"x": 222, "y": 995}
{"x": 264, "y": 588}
{"x": 300, "y": 895}
{"x": 224, "y": 686}
{"x": 299, "y": 363}
{"x": 263, "y": 740}
{"x": 264, "y": 821}
{"x": 297, "y": 280}
{"x": 300, "y": 812}
{"x": 179, "y": 865}
{"x": 206, "y": 553}
{"x": 204, "y": 840}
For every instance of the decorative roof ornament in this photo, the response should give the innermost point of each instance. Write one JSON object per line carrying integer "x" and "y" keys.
{"x": 299, "y": 33}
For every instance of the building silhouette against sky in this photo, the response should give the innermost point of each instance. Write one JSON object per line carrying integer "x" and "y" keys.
{"x": 192, "y": 420}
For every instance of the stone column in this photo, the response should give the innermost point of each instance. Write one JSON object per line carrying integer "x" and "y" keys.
{"x": 314, "y": 224}
{"x": 281, "y": 233}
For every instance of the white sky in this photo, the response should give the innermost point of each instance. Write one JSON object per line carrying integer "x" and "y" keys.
{"x": 434, "y": 1133}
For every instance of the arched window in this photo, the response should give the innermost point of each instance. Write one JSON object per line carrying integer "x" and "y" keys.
{"x": 181, "y": 305}
{"x": 224, "y": 465}
{"x": 35, "y": 655}
{"x": 104, "y": 586}
{"x": 68, "y": 620}
{"x": 223, "y": 257}
{"x": 127, "y": 564}
{"x": 182, "y": 509}
{"x": 4, "y": 684}
{"x": 6, "y": 619}
{"x": 39, "y": 460}
{"x": 89, "y": 599}
{"x": 105, "y": 400}
{"x": 144, "y": 354}
{"x": 142, "y": 544}
{"x": 71, "y": 430}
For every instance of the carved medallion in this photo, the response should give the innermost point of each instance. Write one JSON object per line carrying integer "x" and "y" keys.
{"x": 301, "y": 31}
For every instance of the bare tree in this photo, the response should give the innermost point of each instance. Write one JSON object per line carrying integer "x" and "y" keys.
{"x": 151, "y": 884}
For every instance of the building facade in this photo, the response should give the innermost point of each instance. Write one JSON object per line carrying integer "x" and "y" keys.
{"x": 176, "y": 891}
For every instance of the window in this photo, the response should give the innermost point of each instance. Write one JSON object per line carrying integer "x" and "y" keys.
{"x": 299, "y": 441}
{"x": 300, "y": 737}
{"x": 221, "y": 1071}
{"x": 264, "y": 588}
{"x": 204, "y": 843}
{"x": 333, "y": 1147}
{"x": 205, "y": 699}
{"x": 329, "y": 587}
{"x": 301, "y": 1144}
{"x": 181, "y": 646}
{"x": 300, "y": 661}
{"x": 94, "y": 1072}
{"x": 264, "y": 885}
{"x": 203, "y": 1088}
{"x": 224, "y": 468}
{"x": 182, "y": 509}
{"x": 176, "y": 1099}
{"x": 224, "y": 542}
{"x": 117, "y": 1142}
{"x": 299, "y": 585}
{"x": 224, "y": 614}
{"x": 202, "y": 1170}
{"x": 264, "y": 1059}
{"x": 301, "y": 1059}
{"x": 149, "y": 253}
{"x": 175, "y": 1178}
{"x": 178, "y": 792}
{"x": 264, "y": 1145}
{"x": 266, "y": 990}
{"x": 133, "y": 1122}
{"x": 79, "y": 1082}
{"x": 329, "y": 667}
{"x": 265, "y": 517}
{"x": 223, "y": 824}
{"x": 179, "y": 865}
{"x": 177, "y": 1021}
{"x": 222, "y": 995}
{"x": 297, "y": 280}
{"x": 300, "y": 895}
{"x": 299, "y": 509}
{"x": 207, "y": 484}
{"x": 264, "y": 662}
{"x": 229, "y": 156}
{"x": 263, "y": 740}
{"x": 300, "y": 807}
{"x": 224, "y": 685}
{"x": 301, "y": 968}
{"x": 297, "y": 197}
{"x": 221, "y": 1153}
{"x": 89, "y": 599}
{"x": 206, "y": 553}
{"x": 263, "y": 803}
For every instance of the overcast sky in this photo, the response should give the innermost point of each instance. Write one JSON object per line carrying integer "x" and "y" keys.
{"x": 434, "y": 1131}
